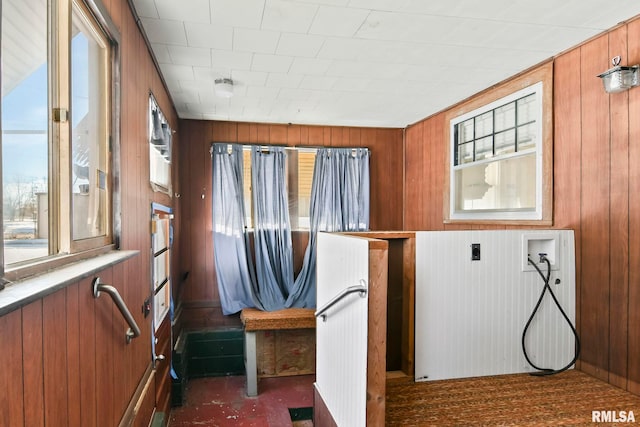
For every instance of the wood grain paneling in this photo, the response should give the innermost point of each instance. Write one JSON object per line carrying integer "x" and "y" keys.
{"x": 73, "y": 355}
{"x": 596, "y": 192}
{"x": 11, "y": 400}
{"x": 130, "y": 361}
{"x": 87, "y": 362}
{"x": 619, "y": 222}
{"x": 437, "y": 170}
{"x": 387, "y": 157}
{"x": 105, "y": 342}
{"x": 69, "y": 363}
{"x": 567, "y": 141}
{"x": 377, "y": 332}
{"x": 321, "y": 414}
{"x": 416, "y": 180}
{"x": 120, "y": 348}
{"x": 594, "y": 221}
{"x": 55, "y": 358}
{"x": 162, "y": 375}
{"x": 633, "y": 345}
{"x": 424, "y": 175}
{"x": 66, "y": 364}
{"x": 32, "y": 374}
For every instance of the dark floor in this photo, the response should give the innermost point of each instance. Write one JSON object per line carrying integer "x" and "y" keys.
{"x": 221, "y": 401}
{"x": 567, "y": 399}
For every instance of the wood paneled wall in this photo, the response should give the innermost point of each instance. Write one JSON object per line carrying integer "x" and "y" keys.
{"x": 200, "y": 291}
{"x": 596, "y": 193}
{"x": 139, "y": 78}
{"x": 68, "y": 363}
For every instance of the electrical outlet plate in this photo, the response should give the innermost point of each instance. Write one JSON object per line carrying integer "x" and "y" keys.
{"x": 475, "y": 252}
{"x": 146, "y": 307}
{"x": 533, "y": 244}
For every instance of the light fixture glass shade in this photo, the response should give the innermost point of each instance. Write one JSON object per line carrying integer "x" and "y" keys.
{"x": 223, "y": 88}
{"x": 619, "y": 78}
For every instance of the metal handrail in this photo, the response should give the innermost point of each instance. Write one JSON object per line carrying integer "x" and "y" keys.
{"x": 134, "y": 330}
{"x": 361, "y": 289}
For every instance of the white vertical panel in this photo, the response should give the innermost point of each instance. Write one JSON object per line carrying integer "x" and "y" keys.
{"x": 470, "y": 315}
{"x": 341, "y": 346}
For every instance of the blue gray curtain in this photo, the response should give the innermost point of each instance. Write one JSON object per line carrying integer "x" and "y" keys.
{"x": 339, "y": 202}
{"x": 160, "y": 134}
{"x": 272, "y": 228}
{"x": 235, "y": 273}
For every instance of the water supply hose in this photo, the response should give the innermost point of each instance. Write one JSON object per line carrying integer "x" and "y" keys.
{"x": 547, "y": 371}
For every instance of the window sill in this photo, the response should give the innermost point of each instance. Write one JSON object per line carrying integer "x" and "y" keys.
{"x": 497, "y": 222}
{"x": 23, "y": 292}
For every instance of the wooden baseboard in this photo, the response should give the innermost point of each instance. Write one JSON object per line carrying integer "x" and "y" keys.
{"x": 634, "y": 387}
{"x": 594, "y": 371}
{"x": 197, "y": 315}
{"x": 145, "y": 386}
{"x": 321, "y": 415}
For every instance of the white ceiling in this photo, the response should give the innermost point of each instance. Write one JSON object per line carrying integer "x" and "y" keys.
{"x": 386, "y": 63}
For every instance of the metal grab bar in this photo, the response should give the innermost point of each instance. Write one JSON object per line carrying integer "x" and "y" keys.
{"x": 361, "y": 289}
{"x": 134, "y": 330}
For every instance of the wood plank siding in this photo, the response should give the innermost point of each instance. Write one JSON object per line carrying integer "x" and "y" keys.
{"x": 596, "y": 188}
{"x": 67, "y": 360}
{"x": 66, "y": 355}
{"x": 199, "y": 296}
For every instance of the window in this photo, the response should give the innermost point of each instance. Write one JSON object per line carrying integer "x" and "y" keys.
{"x": 306, "y": 163}
{"x": 25, "y": 131}
{"x": 300, "y": 163}
{"x": 161, "y": 239}
{"x": 89, "y": 127}
{"x": 160, "y": 134}
{"x": 497, "y": 167}
{"x": 57, "y": 122}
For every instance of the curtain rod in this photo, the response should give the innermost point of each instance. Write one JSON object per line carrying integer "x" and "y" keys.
{"x": 265, "y": 148}
{"x": 290, "y": 147}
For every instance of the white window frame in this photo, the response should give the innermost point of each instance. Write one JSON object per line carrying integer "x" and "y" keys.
{"x": 161, "y": 256}
{"x": 159, "y": 165}
{"x": 500, "y": 214}
{"x": 493, "y": 97}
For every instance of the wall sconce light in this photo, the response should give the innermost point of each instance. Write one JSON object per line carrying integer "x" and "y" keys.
{"x": 223, "y": 87}
{"x": 619, "y": 78}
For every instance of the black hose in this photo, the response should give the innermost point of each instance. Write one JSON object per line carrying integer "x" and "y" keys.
{"x": 547, "y": 371}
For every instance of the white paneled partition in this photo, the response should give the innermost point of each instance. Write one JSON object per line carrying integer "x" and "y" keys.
{"x": 341, "y": 340}
{"x": 470, "y": 314}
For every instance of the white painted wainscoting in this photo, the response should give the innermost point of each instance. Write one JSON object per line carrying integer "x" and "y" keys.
{"x": 341, "y": 340}
{"x": 470, "y": 314}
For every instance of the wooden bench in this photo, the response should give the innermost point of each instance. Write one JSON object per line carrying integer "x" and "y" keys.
{"x": 257, "y": 320}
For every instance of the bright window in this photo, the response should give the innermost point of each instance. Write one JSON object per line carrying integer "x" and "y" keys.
{"x": 299, "y": 170}
{"x": 57, "y": 87}
{"x": 496, "y": 166}
{"x": 89, "y": 127}
{"x": 25, "y": 130}
{"x": 160, "y": 135}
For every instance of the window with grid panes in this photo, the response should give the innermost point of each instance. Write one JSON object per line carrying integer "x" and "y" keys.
{"x": 496, "y": 154}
